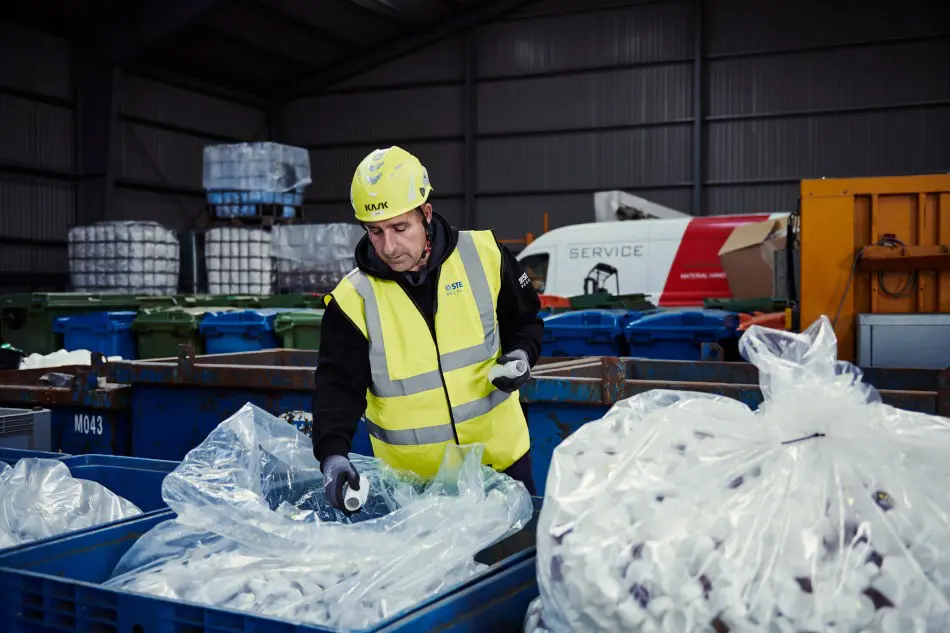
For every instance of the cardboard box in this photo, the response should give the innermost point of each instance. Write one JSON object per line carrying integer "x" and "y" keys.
{"x": 747, "y": 257}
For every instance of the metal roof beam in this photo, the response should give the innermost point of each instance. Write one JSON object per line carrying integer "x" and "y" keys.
{"x": 425, "y": 35}
{"x": 151, "y": 23}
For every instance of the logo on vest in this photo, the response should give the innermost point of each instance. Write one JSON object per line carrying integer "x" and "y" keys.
{"x": 454, "y": 288}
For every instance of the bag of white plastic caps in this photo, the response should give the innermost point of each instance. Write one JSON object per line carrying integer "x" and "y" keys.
{"x": 40, "y": 498}
{"x": 825, "y": 511}
{"x": 254, "y": 532}
{"x": 140, "y": 258}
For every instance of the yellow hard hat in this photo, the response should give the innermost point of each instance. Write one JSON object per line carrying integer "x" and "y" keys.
{"x": 387, "y": 183}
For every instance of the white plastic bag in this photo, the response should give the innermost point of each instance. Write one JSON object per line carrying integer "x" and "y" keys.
{"x": 40, "y": 498}
{"x": 254, "y": 532}
{"x": 824, "y": 511}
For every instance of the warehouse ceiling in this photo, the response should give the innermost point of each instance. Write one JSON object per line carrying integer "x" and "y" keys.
{"x": 272, "y": 49}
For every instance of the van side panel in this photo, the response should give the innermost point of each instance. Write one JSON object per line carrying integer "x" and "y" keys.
{"x": 696, "y": 273}
{"x": 665, "y": 238}
{"x": 675, "y": 262}
{"x": 628, "y": 251}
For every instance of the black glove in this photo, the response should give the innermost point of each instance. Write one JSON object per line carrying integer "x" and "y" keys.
{"x": 509, "y": 385}
{"x": 337, "y": 470}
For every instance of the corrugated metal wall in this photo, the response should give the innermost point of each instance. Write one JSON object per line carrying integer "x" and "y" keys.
{"x": 158, "y": 140}
{"x": 162, "y": 131}
{"x": 576, "y": 96}
{"x": 812, "y": 89}
{"x": 605, "y": 97}
{"x": 37, "y": 155}
{"x": 415, "y": 102}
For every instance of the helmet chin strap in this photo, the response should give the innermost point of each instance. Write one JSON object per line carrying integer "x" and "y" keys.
{"x": 426, "y": 251}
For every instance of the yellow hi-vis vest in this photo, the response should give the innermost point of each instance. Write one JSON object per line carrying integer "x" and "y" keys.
{"x": 427, "y": 393}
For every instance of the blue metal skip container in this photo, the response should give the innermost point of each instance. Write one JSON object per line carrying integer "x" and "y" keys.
{"x": 560, "y": 399}
{"x": 177, "y": 402}
{"x": 109, "y": 333}
{"x": 240, "y": 331}
{"x": 585, "y": 333}
{"x": 56, "y": 586}
{"x": 679, "y": 335}
{"x": 86, "y": 416}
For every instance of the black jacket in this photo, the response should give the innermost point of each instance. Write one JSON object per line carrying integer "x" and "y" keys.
{"x": 343, "y": 373}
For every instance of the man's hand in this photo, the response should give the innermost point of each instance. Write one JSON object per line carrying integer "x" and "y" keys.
{"x": 509, "y": 385}
{"x": 338, "y": 470}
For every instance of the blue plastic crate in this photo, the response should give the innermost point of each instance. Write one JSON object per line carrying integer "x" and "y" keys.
{"x": 585, "y": 333}
{"x": 246, "y": 204}
{"x": 679, "y": 335}
{"x": 137, "y": 480}
{"x": 497, "y": 604}
{"x": 250, "y": 211}
{"x": 107, "y": 332}
{"x": 240, "y": 331}
{"x": 13, "y": 455}
{"x": 294, "y": 197}
{"x": 56, "y": 586}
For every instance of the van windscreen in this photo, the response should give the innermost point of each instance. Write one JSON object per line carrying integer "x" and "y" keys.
{"x": 536, "y": 266}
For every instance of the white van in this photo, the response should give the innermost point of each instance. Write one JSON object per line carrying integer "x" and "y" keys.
{"x": 674, "y": 261}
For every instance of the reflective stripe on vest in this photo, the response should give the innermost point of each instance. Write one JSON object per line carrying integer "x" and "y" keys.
{"x": 385, "y": 387}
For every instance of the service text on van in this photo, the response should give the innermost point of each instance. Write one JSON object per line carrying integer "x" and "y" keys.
{"x": 592, "y": 252}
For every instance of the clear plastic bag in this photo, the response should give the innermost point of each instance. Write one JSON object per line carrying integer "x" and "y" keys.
{"x": 254, "y": 532}
{"x": 40, "y": 498}
{"x": 239, "y": 261}
{"x": 314, "y": 257}
{"x": 124, "y": 257}
{"x": 824, "y": 511}
{"x": 256, "y": 167}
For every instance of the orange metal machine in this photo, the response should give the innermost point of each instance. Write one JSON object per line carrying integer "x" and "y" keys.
{"x": 873, "y": 245}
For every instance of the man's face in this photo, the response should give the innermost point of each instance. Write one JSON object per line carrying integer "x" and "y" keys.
{"x": 399, "y": 241}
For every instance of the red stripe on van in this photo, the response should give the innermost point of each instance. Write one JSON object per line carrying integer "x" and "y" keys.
{"x": 696, "y": 273}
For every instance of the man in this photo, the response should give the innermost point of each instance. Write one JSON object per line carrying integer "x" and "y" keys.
{"x": 411, "y": 334}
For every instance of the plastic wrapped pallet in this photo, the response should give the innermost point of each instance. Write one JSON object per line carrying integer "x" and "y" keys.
{"x": 314, "y": 257}
{"x": 268, "y": 167}
{"x": 39, "y": 498}
{"x": 825, "y": 510}
{"x": 238, "y": 261}
{"x": 254, "y": 533}
{"x": 124, "y": 257}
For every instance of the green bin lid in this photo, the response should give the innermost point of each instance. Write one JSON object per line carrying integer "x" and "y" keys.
{"x": 158, "y": 302}
{"x": 236, "y": 301}
{"x": 304, "y": 318}
{"x": 300, "y": 300}
{"x": 201, "y": 301}
{"x": 63, "y": 300}
{"x": 172, "y": 318}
